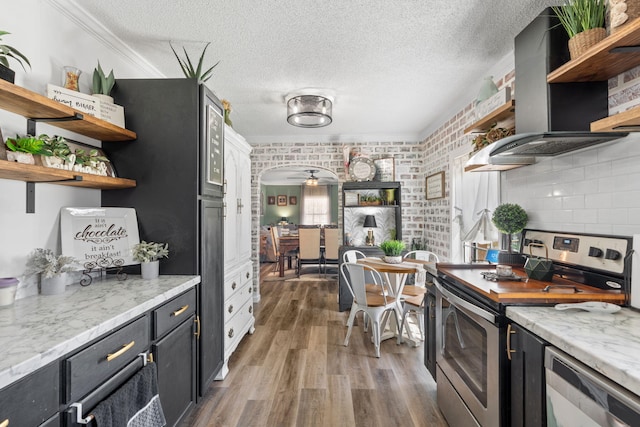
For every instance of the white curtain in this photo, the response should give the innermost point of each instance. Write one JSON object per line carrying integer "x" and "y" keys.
{"x": 315, "y": 207}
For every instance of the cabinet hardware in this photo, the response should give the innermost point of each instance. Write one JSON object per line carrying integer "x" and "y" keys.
{"x": 180, "y": 310}
{"x": 230, "y": 334}
{"x": 432, "y": 310}
{"x": 120, "y": 352}
{"x": 224, "y": 187}
{"x": 248, "y": 274}
{"x": 230, "y": 308}
{"x": 250, "y": 309}
{"x": 197, "y": 322}
{"x": 5, "y": 423}
{"x": 224, "y": 215}
{"x": 509, "y": 332}
{"x": 233, "y": 285}
{"x": 250, "y": 289}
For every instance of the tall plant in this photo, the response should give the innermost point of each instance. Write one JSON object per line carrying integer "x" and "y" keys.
{"x": 102, "y": 84}
{"x": 577, "y": 16}
{"x": 188, "y": 69}
{"x": 7, "y": 51}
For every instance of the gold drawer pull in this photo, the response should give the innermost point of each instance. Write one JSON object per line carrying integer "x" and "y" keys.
{"x": 180, "y": 310}
{"x": 120, "y": 352}
{"x": 233, "y": 285}
{"x": 197, "y": 332}
{"x": 230, "y": 308}
{"x": 509, "y": 333}
{"x": 230, "y": 334}
{"x": 5, "y": 423}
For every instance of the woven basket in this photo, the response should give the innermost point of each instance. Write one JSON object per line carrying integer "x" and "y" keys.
{"x": 581, "y": 42}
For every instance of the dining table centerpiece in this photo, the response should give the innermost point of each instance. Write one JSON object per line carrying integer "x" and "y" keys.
{"x": 393, "y": 251}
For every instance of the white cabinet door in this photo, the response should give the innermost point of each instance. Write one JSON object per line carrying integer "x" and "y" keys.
{"x": 231, "y": 209}
{"x": 244, "y": 213}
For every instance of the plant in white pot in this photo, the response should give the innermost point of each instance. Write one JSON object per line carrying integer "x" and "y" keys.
{"x": 52, "y": 268}
{"x": 393, "y": 251}
{"x": 149, "y": 254}
{"x": 509, "y": 219}
{"x": 102, "y": 85}
{"x": 21, "y": 149}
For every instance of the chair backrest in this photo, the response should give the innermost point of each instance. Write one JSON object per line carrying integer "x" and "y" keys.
{"x": 331, "y": 243}
{"x": 309, "y": 243}
{"x": 275, "y": 240}
{"x": 355, "y": 276}
{"x": 352, "y": 255}
{"x": 422, "y": 255}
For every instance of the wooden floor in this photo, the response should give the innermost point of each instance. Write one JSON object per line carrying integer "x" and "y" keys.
{"x": 295, "y": 371}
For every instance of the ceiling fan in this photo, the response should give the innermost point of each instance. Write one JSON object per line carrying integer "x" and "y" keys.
{"x": 308, "y": 180}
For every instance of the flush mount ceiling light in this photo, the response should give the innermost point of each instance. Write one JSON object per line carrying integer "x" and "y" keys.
{"x": 312, "y": 180}
{"x": 309, "y": 111}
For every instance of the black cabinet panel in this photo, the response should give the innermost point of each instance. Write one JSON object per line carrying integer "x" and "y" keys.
{"x": 430, "y": 331}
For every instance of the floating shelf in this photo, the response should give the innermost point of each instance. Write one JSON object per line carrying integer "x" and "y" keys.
{"x": 32, "y": 105}
{"x": 626, "y": 121}
{"x": 615, "y": 54}
{"x": 504, "y": 114}
{"x": 35, "y": 173}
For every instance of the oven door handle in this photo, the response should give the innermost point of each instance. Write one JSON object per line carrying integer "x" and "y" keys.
{"x": 457, "y": 301}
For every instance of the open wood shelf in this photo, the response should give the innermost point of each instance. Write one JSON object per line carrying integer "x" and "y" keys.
{"x": 625, "y": 121}
{"x": 504, "y": 114}
{"x": 601, "y": 62}
{"x": 31, "y": 105}
{"x": 35, "y": 173}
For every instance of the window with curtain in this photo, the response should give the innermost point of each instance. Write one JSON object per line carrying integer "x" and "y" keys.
{"x": 315, "y": 207}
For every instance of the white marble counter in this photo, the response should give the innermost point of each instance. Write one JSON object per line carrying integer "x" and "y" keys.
{"x": 37, "y": 330}
{"x": 608, "y": 343}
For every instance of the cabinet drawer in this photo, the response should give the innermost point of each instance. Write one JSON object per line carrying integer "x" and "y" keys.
{"x": 238, "y": 299}
{"x": 247, "y": 273}
{"x": 232, "y": 285}
{"x": 32, "y": 399}
{"x": 93, "y": 365}
{"x": 236, "y": 327}
{"x": 174, "y": 312}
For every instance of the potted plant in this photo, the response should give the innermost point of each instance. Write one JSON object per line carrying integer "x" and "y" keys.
{"x": 22, "y": 149}
{"x": 52, "y": 268}
{"x": 392, "y": 250}
{"x": 90, "y": 161}
{"x": 59, "y": 149}
{"x": 7, "y": 52}
{"x": 102, "y": 85}
{"x": 149, "y": 254}
{"x": 584, "y": 22}
{"x": 187, "y": 66}
{"x": 510, "y": 218}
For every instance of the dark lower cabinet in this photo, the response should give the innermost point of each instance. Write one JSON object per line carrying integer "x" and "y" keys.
{"x": 175, "y": 355}
{"x": 527, "y": 377}
{"x": 430, "y": 333}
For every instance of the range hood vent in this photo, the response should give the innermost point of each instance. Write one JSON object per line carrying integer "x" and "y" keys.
{"x": 551, "y": 119}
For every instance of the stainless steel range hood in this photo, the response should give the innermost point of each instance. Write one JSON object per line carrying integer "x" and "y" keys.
{"x": 551, "y": 119}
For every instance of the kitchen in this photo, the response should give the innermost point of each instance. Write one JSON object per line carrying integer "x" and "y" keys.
{"x": 593, "y": 191}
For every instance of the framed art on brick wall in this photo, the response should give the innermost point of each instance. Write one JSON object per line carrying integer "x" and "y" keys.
{"x": 435, "y": 186}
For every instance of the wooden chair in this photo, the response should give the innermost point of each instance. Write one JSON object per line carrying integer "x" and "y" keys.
{"x": 309, "y": 247}
{"x": 331, "y": 246}
{"x": 275, "y": 239}
{"x": 374, "y": 305}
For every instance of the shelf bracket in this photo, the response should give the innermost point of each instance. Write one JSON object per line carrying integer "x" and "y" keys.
{"x": 625, "y": 49}
{"x": 31, "y": 191}
{"x": 31, "y": 123}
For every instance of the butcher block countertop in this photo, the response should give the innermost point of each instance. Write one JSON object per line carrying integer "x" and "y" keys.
{"x": 526, "y": 291}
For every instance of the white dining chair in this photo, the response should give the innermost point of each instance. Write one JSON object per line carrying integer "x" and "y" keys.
{"x": 374, "y": 305}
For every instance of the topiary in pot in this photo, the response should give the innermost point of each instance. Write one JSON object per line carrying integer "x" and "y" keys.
{"x": 510, "y": 218}
{"x": 392, "y": 250}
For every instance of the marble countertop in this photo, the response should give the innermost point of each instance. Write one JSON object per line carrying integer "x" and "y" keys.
{"x": 37, "y": 330}
{"x": 608, "y": 343}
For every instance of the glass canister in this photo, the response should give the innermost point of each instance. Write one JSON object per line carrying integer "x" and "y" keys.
{"x": 71, "y": 77}
{"x": 8, "y": 287}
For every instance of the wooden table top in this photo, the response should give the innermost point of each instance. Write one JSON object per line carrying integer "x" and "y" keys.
{"x": 385, "y": 267}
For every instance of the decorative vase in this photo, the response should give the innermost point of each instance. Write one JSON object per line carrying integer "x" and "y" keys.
{"x": 150, "y": 270}
{"x": 53, "y": 285}
{"x": 390, "y": 195}
{"x": 392, "y": 259}
{"x": 581, "y": 42}
{"x": 7, "y": 74}
{"x": 71, "y": 77}
{"x": 487, "y": 89}
{"x": 103, "y": 98}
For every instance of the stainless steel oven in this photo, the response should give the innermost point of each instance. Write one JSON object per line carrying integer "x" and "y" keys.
{"x": 469, "y": 373}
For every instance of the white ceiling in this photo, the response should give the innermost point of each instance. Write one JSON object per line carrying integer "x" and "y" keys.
{"x": 395, "y": 68}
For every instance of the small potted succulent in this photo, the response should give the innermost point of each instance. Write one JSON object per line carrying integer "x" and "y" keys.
{"x": 148, "y": 255}
{"x": 187, "y": 66}
{"x": 393, "y": 251}
{"x": 6, "y": 52}
{"x": 52, "y": 269}
{"x": 509, "y": 219}
{"x": 21, "y": 149}
{"x": 102, "y": 85}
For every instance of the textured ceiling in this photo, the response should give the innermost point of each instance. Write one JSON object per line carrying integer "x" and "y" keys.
{"x": 394, "y": 68}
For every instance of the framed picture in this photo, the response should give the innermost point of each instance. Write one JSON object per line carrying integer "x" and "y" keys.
{"x": 282, "y": 200}
{"x": 214, "y": 146}
{"x": 385, "y": 169}
{"x": 293, "y": 200}
{"x": 435, "y": 186}
{"x": 271, "y": 200}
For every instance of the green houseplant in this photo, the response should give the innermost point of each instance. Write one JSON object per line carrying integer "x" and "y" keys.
{"x": 584, "y": 22}
{"x": 393, "y": 251}
{"x": 52, "y": 269}
{"x": 509, "y": 219}
{"x": 56, "y": 145}
{"x": 102, "y": 85}
{"x": 148, "y": 255}
{"x": 6, "y": 52}
{"x": 22, "y": 148}
{"x": 187, "y": 66}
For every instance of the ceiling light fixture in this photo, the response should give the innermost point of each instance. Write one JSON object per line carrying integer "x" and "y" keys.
{"x": 312, "y": 180}
{"x": 309, "y": 111}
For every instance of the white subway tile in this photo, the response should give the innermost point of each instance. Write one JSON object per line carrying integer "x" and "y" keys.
{"x": 598, "y": 201}
{"x": 585, "y": 216}
{"x": 613, "y": 216}
{"x": 627, "y": 199}
{"x": 573, "y": 202}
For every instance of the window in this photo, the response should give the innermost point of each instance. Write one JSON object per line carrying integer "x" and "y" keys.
{"x": 315, "y": 208}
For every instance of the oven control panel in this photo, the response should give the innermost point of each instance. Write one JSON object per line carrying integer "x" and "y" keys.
{"x": 605, "y": 253}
